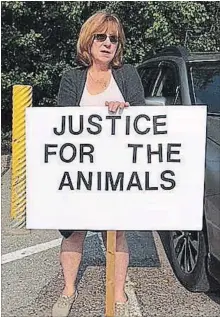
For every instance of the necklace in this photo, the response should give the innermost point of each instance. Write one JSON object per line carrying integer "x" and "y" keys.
{"x": 102, "y": 81}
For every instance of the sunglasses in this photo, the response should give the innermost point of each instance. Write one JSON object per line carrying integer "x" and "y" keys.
{"x": 102, "y": 37}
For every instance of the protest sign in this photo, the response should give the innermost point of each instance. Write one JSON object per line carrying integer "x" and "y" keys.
{"x": 141, "y": 170}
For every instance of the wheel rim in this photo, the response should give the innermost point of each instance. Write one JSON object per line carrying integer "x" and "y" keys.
{"x": 186, "y": 247}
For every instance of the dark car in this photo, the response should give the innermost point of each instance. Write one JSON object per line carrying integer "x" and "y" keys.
{"x": 173, "y": 76}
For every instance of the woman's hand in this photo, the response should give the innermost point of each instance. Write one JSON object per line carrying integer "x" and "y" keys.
{"x": 113, "y": 106}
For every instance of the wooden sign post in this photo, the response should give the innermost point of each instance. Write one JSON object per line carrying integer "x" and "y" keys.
{"x": 110, "y": 274}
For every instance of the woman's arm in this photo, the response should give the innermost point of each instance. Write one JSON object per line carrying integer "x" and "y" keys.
{"x": 67, "y": 90}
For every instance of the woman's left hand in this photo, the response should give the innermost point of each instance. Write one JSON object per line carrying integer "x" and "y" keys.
{"x": 113, "y": 106}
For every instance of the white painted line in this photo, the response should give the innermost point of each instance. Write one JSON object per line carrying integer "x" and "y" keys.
{"x": 133, "y": 302}
{"x": 101, "y": 243}
{"x": 19, "y": 254}
{"x": 164, "y": 262}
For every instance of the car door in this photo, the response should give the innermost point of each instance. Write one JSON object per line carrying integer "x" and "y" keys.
{"x": 168, "y": 84}
{"x": 149, "y": 74}
{"x": 206, "y": 81}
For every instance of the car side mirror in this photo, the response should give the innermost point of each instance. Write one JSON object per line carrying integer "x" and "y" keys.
{"x": 155, "y": 101}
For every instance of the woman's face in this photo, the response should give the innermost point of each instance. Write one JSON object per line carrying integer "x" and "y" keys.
{"x": 104, "y": 47}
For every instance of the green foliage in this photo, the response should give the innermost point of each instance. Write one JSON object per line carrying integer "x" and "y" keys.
{"x": 39, "y": 38}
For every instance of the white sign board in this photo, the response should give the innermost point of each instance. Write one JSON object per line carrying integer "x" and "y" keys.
{"x": 141, "y": 170}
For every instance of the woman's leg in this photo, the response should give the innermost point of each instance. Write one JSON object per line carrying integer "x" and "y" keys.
{"x": 121, "y": 264}
{"x": 70, "y": 258}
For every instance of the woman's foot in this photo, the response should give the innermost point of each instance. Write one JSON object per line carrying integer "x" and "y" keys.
{"x": 63, "y": 305}
{"x": 122, "y": 307}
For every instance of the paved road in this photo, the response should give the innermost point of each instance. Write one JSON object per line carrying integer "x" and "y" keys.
{"x": 32, "y": 279}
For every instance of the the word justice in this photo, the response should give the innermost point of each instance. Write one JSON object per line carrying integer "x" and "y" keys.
{"x": 141, "y": 124}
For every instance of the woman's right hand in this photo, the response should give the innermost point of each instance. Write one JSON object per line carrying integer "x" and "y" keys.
{"x": 113, "y": 106}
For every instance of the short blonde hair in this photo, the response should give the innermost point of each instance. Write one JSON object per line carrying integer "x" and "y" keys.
{"x": 98, "y": 23}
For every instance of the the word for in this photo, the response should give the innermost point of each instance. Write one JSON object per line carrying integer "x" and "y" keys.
{"x": 68, "y": 152}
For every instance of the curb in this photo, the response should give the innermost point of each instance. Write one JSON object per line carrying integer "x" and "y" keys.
{"x": 5, "y": 163}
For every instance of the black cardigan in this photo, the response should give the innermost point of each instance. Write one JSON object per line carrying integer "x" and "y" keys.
{"x": 73, "y": 82}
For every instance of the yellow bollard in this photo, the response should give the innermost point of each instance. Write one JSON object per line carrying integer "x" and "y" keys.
{"x": 21, "y": 99}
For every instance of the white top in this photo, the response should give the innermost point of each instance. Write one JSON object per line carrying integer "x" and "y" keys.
{"x": 111, "y": 93}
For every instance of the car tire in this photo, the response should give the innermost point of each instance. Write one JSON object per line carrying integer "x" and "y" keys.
{"x": 190, "y": 266}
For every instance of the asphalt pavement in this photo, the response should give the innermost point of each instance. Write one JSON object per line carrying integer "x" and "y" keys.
{"x": 32, "y": 278}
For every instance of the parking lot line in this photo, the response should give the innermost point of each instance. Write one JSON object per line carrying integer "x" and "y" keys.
{"x": 164, "y": 262}
{"x": 19, "y": 254}
{"x": 22, "y": 253}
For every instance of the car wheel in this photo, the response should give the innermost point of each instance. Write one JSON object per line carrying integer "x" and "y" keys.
{"x": 188, "y": 258}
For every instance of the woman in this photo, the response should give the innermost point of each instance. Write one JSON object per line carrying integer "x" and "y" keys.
{"x": 101, "y": 81}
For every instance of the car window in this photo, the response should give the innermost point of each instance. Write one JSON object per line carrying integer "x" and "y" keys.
{"x": 148, "y": 78}
{"x": 206, "y": 82}
{"x": 168, "y": 86}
